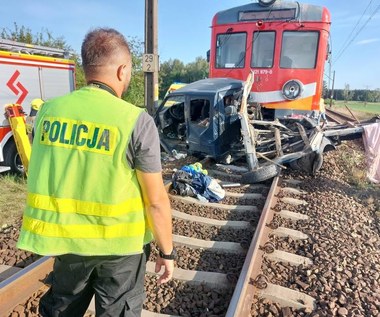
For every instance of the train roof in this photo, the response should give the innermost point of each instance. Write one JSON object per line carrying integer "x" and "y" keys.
{"x": 209, "y": 85}
{"x": 303, "y": 12}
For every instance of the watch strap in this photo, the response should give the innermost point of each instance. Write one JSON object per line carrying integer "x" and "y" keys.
{"x": 171, "y": 256}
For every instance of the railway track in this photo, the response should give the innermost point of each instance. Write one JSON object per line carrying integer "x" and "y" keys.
{"x": 338, "y": 248}
{"x": 221, "y": 248}
{"x": 338, "y": 117}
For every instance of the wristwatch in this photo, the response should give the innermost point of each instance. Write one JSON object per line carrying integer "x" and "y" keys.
{"x": 171, "y": 256}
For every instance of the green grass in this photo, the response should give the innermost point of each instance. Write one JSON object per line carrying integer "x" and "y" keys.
{"x": 12, "y": 198}
{"x": 369, "y": 107}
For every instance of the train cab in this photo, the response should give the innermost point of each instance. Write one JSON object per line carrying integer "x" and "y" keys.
{"x": 285, "y": 44}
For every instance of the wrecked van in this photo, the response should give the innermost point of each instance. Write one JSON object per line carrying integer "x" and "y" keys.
{"x": 213, "y": 117}
{"x": 197, "y": 118}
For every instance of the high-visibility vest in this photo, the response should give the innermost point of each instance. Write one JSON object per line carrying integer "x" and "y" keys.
{"x": 83, "y": 198}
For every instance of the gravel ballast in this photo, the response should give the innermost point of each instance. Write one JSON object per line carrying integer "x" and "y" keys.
{"x": 344, "y": 241}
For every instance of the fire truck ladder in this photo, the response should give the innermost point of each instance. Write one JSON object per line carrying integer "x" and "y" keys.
{"x": 16, "y": 118}
{"x": 31, "y": 49}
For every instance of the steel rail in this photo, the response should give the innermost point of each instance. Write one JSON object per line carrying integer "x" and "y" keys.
{"x": 20, "y": 286}
{"x": 242, "y": 297}
{"x": 339, "y": 117}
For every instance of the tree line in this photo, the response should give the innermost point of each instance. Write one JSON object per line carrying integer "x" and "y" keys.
{"x": 361, "y": 95}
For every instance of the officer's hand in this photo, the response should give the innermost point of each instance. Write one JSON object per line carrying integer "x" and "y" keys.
{"x": 168, "y": 272}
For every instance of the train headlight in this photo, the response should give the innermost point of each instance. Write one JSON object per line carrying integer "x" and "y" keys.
{"x": 266, "y": 3}
{"x": 292, "y": 89}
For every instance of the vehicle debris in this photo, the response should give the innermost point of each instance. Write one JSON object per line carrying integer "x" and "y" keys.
{"x": 213, "y": 117}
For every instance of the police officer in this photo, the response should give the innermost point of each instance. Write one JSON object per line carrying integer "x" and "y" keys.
{"x": 95, "y": 190}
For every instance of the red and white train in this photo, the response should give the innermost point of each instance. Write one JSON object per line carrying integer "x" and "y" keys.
{"x": 285, "y": 44}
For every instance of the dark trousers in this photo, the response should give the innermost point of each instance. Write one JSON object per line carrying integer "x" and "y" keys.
{"x": 116, "y": 281}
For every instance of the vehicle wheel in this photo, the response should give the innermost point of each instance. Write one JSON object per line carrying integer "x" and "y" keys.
{"x": 261, "y": 174}
{"x": 12, "y": 158}
{"x": 310, "y": 163}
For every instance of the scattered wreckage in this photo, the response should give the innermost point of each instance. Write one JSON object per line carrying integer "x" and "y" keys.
{"x": 213, "y": 117}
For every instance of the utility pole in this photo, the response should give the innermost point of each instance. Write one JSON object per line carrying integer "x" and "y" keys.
{"x": 332, "y": 90}
{"x": 150, "y": 58}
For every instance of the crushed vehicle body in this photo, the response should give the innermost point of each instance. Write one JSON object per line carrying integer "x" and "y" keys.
{"x": 212, "y": 117}
{"x": 195, "y": 119}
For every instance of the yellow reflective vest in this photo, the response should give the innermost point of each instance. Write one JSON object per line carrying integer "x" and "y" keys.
{"x": 83, "y": 198}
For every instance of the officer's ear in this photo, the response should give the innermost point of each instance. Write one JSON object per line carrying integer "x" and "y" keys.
{"x": 122, "y": 72}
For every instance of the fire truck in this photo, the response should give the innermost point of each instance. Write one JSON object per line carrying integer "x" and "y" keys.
{"x": 28, "y": 72}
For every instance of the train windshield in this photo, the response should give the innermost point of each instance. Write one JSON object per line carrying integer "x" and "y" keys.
{"x": 263, "y": 49}
{"x": 230, "y": 50}
{"x": 299, "y": 49}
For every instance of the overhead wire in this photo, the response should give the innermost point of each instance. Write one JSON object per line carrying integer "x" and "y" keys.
{"x": 356, "y": 25}
{"x": 353, "y": 36}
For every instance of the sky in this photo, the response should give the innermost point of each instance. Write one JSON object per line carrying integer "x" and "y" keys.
{"x": 184, "y": 28}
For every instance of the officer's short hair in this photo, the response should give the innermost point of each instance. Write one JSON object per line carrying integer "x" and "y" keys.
{"x": 100, "y": 44}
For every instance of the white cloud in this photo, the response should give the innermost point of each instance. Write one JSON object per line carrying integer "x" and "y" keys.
{"x": 368, "y": 41}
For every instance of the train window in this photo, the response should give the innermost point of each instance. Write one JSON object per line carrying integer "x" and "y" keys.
{"x": 263, "y": 49}
{"x": 230, "y": 50}
{"x": 299, "y": 49}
